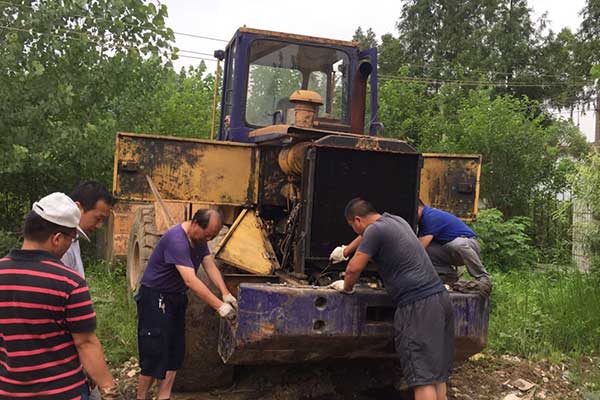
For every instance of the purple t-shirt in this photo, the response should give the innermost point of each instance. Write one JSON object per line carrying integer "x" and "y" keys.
{"x": 172, "y": 249}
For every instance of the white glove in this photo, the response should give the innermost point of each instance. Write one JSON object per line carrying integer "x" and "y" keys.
{"x": 227, "y": 312}
{"x": 229, "y": 299}
{"x": 337, "y": 255}
{"x": 339, "y": 286}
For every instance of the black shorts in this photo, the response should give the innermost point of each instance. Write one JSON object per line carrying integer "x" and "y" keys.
{"x": 161, "y": 331}
{"x": 424, "y": 339}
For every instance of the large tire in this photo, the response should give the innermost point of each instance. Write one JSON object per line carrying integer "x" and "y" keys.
{"x": 203, "y": 368}
{"x": 143, "y": 237}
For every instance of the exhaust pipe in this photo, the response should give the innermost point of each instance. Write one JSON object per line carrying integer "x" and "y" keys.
{"x": 359, "y": 95}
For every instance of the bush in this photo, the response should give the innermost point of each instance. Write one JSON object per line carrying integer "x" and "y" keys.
{"x": 505, "y": 244}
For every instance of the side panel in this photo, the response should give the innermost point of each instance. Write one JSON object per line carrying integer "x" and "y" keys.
{"x": 450, "y": 182}
{"x": 186, "y": 170}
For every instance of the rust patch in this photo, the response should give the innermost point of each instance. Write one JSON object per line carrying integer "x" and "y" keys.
{"x": 302, "y": 38}
{"x": 366, "y": 143}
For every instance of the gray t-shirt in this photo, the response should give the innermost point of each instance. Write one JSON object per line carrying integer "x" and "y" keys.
{"x": 403, "y": 264}
{"x": 72, "y": 259}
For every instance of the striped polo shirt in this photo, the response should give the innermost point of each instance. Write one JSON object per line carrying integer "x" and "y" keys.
{"x": 41, "y": 303}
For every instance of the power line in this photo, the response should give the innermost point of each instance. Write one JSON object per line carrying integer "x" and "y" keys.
{"x": 490, "y": 72}
{"x": 200, "y": 36}
{"x": 197, "y": 52}
{"x": 431, "y": 80}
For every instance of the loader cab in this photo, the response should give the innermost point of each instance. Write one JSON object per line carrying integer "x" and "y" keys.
{"x": 263, "y": 68}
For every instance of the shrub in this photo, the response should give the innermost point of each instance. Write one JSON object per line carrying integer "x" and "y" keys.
{"x": 505, "y": 244}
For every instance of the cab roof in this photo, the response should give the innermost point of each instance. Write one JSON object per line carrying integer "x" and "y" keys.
{"x": 303, "y": 38}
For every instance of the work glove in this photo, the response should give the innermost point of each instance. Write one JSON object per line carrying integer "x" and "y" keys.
{"x": 339, "y": 286}
{"x": 227, "y": 312}
{"x": 111, "y": 393}
{"x": 229, "y": 299}
{"x": 337, "y": 255}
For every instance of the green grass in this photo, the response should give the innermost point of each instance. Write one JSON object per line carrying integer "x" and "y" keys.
{"x": 551, "y": 314}
{"x": 116, "y": 316}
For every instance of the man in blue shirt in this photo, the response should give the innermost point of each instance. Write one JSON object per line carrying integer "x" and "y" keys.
{"x": 162, "y": 298}
{"x": 450, "y": 243}
{"x": 423, "y": 321}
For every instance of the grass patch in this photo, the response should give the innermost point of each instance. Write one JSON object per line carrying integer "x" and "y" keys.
{"x": 549, "y": 314}
{"x": 116, "y": 316}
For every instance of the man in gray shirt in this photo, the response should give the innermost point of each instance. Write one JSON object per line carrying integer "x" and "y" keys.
{"x": 95, "y": 203}
{"x": 423, "y": 322}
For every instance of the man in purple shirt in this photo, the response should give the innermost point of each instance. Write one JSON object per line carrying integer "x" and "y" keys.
{"x": 162, "y": 298}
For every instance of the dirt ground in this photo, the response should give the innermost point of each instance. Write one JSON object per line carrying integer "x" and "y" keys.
{"x": 481, "y": 378}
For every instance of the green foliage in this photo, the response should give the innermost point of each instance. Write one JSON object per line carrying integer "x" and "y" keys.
{"x": 505, "y": 244}
{"x": 8, "y": 240}
{"x": 595, "y": 72}
{"x": 366, "y": 40}
{"x": 524, "y": 153}
{"x": 542, "y": 314}
{"x": 65, "y": 92}
{"x": 116, "y": 316}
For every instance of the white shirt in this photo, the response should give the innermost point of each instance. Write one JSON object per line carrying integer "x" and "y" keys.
{"x": 72, "y": 258}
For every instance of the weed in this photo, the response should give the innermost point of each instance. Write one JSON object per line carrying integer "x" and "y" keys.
{"x": 546, "y": 314}
{"x": 116, "y": 315}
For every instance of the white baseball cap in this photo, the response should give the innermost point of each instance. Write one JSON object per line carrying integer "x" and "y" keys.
{"x": 59, "y": 209}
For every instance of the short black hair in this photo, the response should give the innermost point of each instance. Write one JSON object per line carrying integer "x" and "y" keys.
{"x": 202, "y": 216}
{"x": 89, "y": 193}
{"x": 421, "y": 204}
{"x": 358, "y": 207}
{"x": 39, "y": 230}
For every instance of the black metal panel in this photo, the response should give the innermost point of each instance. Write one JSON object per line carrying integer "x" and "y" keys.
{"x": 389, "y": 180}
{"x": 271, "y": 178}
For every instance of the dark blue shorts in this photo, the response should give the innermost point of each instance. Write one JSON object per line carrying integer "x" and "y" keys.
{"x": 161, "y": 331}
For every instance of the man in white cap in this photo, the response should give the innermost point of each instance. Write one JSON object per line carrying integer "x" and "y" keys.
{"x": 47, "y": 321}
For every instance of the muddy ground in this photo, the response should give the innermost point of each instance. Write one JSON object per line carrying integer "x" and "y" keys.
{"x": 481, "y": 378}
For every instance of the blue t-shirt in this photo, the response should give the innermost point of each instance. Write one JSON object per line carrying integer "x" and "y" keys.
{"x": 402, "y": 262}
{"x": 444, "y": 226}
{"x": 172, "y": 249}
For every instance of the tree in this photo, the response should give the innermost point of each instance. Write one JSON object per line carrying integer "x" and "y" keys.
{"x": 73, "y": 73}
{"x": 365, "y": 40}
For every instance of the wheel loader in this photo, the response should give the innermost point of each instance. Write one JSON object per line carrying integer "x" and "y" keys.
{"x": 298, "y": 137}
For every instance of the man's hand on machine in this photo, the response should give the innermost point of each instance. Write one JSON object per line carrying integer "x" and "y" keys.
{"x": 229, "y": 299}
{"x": 339, "y": 286}
{"x": 337, "y": 255}
{"x": 227, "y": 312}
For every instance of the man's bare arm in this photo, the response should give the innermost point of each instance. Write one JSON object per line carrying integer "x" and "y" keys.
{"x": 188, "y": 274}
{"x": 355, "y": 267}
{"x": 426, "y": 240}
{"x": 92, "y": 358}
{"x": 351, "y": 248}
{"x": 214, "y": 274}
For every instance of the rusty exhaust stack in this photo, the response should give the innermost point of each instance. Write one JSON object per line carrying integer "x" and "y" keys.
{"x": 359, "y": 94}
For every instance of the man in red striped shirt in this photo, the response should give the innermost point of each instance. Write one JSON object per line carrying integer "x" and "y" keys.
{"x": 47, "y": 321}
